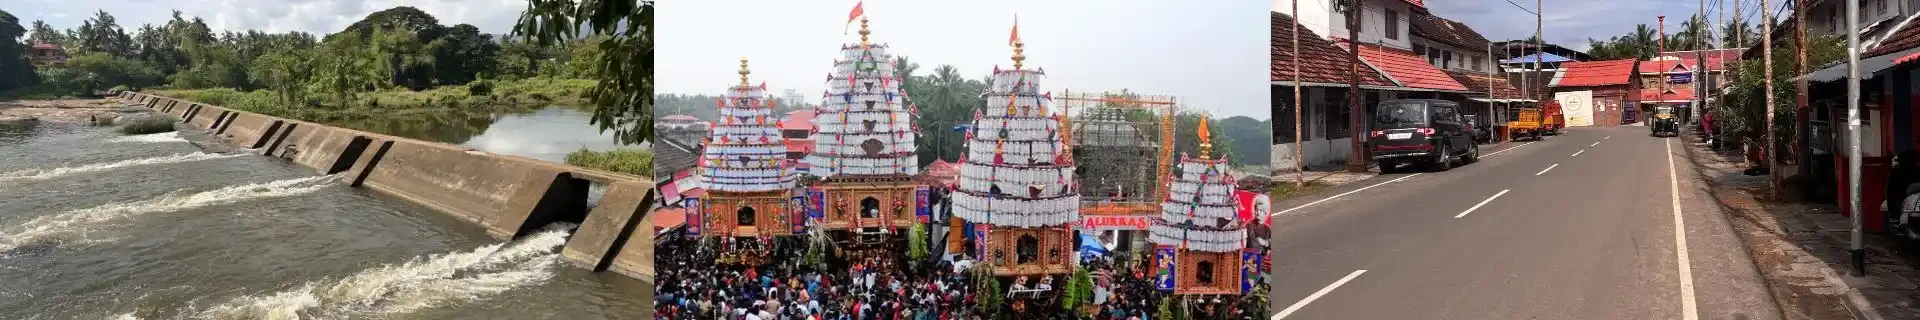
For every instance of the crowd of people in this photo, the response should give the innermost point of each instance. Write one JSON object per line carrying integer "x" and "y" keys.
{"x": 692, "y": 284}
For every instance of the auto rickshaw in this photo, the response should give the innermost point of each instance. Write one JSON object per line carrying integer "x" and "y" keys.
{"x": 1664, "y": 124}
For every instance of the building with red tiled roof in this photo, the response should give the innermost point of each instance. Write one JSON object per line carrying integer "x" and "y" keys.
{"x": 1408, "y": 69}
{"x": 1599, "y": 93}
{"x": 1321, "y": 62}
{"x": 797, "y": 127}
{"x": 44, "y": 54}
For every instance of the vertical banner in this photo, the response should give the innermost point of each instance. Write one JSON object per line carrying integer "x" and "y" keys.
{"x": 921, "y": 207}
{"x": 1243, "y": 203}
{"x": 1164, "y": 260}
{"x": 1249, "y": 269}
{"x": 794, "y": 208}
{"x": 980, "y": 241}
{"x": 696, "y": 216}
{"x": 816, "y": 204}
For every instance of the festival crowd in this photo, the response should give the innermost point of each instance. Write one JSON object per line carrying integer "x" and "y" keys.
{"x": 691, "y": 284}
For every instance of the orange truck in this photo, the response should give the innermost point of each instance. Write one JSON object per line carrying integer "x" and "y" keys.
{"x": 1553, "y": 120}
{"x": 1526, "y": 124}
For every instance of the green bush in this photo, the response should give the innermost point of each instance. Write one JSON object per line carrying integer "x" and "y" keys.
{"x": 480, "y": 87}
{"x": 151, "y": 124}
{"x": 637, "y": 162}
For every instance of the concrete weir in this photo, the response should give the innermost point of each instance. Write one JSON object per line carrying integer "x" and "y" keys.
{"x": 508, "y": 196}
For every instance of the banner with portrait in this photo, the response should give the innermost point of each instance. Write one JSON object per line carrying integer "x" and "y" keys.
{"x": 1164, "y": 260}
{"x": 696, "y": 215}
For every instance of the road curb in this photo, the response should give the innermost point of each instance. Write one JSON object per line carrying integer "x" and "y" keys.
{"x": 1855, "y": 301}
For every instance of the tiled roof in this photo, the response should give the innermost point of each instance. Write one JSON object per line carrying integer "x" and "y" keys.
{"x": 1478, "y": 82}
{"x": 1656, "y": 95}
{"x": 1320, "y": 60}
{"x": 1906, "y": 38}
{"x": 672, "y": 156}
{"x": 1447, "y": 31}
{"x": 798, "y": 120}
{"x": 1665, "y": 66}
{"x": 1717, "y": 59}
{"x": 1409, "y": 69}
{"x": 1595, "y": 73}
{"x": 668, "y": 218}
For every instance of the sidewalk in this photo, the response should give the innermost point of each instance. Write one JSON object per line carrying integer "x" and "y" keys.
{"x": 1801, "y": 249}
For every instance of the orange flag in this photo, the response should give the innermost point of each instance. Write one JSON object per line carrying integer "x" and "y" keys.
{"x": 1015, "y": 37}
{"x": 853, "y": 14}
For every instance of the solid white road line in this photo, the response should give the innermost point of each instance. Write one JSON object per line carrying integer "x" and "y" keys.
{"x": 1483, "y": 202}
{"x": 1337, "y": 196}
{"x": 1688, "y": 309}
{"x": 1595, "y": 143}
{"x": 1577, "y": 153}
{"x": 1608, "y": 137}
{"x": 1544, "y": 171}
{"x": 1316, "y": 295}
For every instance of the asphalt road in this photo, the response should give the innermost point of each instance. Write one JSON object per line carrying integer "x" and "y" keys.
{"x": 1579, "y": 226}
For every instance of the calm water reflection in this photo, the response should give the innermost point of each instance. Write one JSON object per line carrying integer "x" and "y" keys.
{"x": 546, "y": 134}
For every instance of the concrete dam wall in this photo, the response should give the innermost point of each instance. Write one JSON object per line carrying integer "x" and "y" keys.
{"x": 508, "y": 196}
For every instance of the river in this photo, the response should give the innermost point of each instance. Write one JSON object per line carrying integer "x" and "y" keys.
{"x": 99, "y": 225}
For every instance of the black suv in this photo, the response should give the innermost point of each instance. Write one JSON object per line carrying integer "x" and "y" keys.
{"x": 1422, "y": 131}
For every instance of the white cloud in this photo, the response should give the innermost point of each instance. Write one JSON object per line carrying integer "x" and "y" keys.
{"x": 314, "y": 16}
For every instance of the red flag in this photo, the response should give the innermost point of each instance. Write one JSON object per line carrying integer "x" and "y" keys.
{"x": 856, "y": 13}
{"x": 1010, "y": 39}
{"x": 763, "y": 85}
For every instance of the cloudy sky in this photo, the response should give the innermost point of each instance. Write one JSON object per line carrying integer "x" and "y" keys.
{"x": 314, "y": 16}
{"x": 1570, "y": 22}
{"x": 1211, "y": 54}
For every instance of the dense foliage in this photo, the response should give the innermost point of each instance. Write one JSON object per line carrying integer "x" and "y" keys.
{"x": 1740, "y": 114}
{"x": 377, "y": 64}
{"x": 623, "y": 98}
{"x": 629, "y": 161}
{"x": 1691, "y": 34}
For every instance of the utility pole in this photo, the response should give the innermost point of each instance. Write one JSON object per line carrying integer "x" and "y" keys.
{"x": 1299, "y": 151}
{"x": 1853, "y": 135}
{"x": 1701, "y": 84}
{"x": 1800, "y": 87}
{"x": 1656, "y": 56}
{"x": 1766, "y": 58}
{"x": 1356, "y": 159}
{"x": 1539, "y": 46}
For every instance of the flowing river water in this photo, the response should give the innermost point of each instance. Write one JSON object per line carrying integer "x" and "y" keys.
{"x": 99, "y": 225}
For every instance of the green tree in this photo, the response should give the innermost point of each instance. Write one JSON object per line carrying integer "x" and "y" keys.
{"x": 102, "y": 34}
{"x": 1079, "y": 291}
{"x": 346, "y": 66}
{"x": 623, "y": 99}
{"x": 45, "y": 33}
{"x": 405, "y": 56}
{"x": 109, "y": 71}
{"x": 15, "y": 71}
{"x": 917, "y": 242}
{"x": 283, "y": 71}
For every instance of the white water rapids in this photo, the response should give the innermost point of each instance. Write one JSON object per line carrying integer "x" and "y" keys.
{"x": 151, "y": 138}
{"x": 79, "y": 221}
{"x": 43, "y": 174}
{"x": 400, "y": 288}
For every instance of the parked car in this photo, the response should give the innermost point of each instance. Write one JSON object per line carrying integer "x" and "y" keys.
{"x": 1422, "y": 131}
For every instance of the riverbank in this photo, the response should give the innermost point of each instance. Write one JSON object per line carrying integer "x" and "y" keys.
{"x": 63, "y": 111}
{"x": 510, "y": 95}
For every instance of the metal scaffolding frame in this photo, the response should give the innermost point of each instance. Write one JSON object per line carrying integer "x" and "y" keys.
{"x": 1123, "y": 145}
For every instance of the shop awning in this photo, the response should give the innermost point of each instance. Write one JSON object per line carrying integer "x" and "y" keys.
{"x": 1869, "y": 67}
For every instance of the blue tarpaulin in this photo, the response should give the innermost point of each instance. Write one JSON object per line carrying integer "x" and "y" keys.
{"x": 1543, "y": 57}
{"x": 1091, "y": 246}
